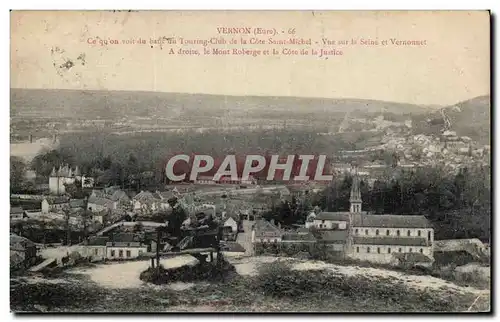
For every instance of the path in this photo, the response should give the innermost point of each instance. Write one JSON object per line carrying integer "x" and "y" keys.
{"x": 245, "y": 238}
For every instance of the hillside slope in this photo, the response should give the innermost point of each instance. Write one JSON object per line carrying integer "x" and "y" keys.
{"x": 116, "y": 104}
{"x": 468, "y": 118}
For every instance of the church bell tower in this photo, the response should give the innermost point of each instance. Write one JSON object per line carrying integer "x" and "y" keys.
{"x": 355, "y": 198}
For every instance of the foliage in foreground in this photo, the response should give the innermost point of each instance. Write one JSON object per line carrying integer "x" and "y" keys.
{"x": 280, "y": 281}
{"x": 202, "y": 271}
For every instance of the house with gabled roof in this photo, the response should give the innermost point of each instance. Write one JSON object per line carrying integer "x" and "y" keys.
{"x": 55, "y": 204}
{"x": 99, "y": 203}
{"x": 146, "y": 200}
{"x": 125, "y": 246}
{"x": 264, "y": 231}
{"x": 16, "y": 213}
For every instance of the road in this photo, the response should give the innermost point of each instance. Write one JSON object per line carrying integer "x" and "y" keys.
{"x": 245, "y": 238}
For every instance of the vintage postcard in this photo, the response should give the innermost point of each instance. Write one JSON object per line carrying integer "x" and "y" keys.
{"x": 250, "y": 161}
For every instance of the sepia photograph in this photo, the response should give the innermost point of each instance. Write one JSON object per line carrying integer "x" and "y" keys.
{"x": 250, "y": 161}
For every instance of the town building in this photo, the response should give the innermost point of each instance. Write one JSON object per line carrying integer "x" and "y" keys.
{"x": 264, "y": 231}
{"x": 374, "y": 238}
{"x": 148, "y": 201}
{"x": 100, "y": 204}
{"x": 232, "y": 224}
{"x": 63, "y": 176}
{"x": 95, "y": 250}
{"x": 117, "y": 247}
{"x": 55, "y": 204}
{"x": 16, "y": 213}
{"x": 358, "y": 235}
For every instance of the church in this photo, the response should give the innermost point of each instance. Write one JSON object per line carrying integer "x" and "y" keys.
{"x": 64, "y": 175}
{"x": 381, "y": 239}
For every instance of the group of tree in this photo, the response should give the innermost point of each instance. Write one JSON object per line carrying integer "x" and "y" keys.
{"x": 289, "y": 212}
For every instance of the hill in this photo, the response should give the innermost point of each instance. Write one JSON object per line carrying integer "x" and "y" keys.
{"x": 76, "y": 104}
{"x": 468, "y": 118}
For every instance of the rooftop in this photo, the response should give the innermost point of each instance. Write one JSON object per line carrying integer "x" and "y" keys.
{"x": 57, "y": 201}
{"x": 333, "y": 236}
{"x": 16, "y": 210}
{"x": 403, "y": 241}
{"x": 334, "y": 216}
{"x": 390, "y": 221}
{"x": 98, "y": 241}
{"x": 262, "y": 227}
{"x": 99, "y": 201}
{"x": 298, "y": 237}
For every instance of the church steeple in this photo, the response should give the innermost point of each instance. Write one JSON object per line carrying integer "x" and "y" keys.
{"x": 355, "y": 199}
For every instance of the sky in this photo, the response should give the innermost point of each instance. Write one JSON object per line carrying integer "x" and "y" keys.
{"x": 453, "y": 66}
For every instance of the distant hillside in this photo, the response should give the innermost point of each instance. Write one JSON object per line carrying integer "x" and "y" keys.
{"x": 116, "y": 104}
{"x": 468, "y": 118}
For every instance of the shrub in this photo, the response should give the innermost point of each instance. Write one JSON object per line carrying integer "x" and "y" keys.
{"x": 278, "y": 279}
{"x": 200, "y": 271}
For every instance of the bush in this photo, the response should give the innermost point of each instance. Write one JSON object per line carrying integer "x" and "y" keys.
{"x": 278, "y": 279}
{"x": 200, "y": 271}
{"x": 157, "y": 275}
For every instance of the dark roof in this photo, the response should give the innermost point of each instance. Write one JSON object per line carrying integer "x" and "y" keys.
{"x": 100, "y": 201}
{"x": 111, "y": 190}
{"x": 57, "y": 201}
{"x": 303, "y": 230}
{"x": 413, "y": 257}
{"x": 75, "y": 203}
{"x": 124, "y": 238}
{"x": 298, "y": 237}
{"x": 332, "y": 236}
{"x": 403, "y": 241}
{"x": 336, "y": 216}
{"x": 263, "y": 226}
{"x": 98, "y": 241}
{"x": 124, "y": 244}
{"x": 119, "y": 194}
{"x": 16, "y": 210}
{"x": 390, "y": 221}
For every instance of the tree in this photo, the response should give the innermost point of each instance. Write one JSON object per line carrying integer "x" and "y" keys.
{"x": 175, "y": 220}
{"x": 67, "y": 211}
{"x": 17, "y": 169}
{"x": 71, "y": 189}
{"x": 85, "y": 216}
{"x": 45, "y": 162}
